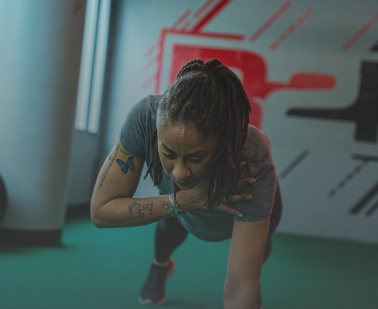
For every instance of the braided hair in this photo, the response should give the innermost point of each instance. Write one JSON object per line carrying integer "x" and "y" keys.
{"x": 212, "y": 98}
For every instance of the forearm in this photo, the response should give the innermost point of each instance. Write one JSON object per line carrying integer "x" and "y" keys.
{"x": 126, "y": 212}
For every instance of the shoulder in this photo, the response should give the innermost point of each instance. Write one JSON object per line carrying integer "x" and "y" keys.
{"x": 257, "y": 147}
{"x": 147, "y": 106}
{"x": 257, "y": 155}
{"x": 142, "y": 114}
{"x": 140, "y": 123}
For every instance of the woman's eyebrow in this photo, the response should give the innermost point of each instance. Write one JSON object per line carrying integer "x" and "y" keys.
{"x": 166, "y": 148}
{"x": 199, "y": 152}
{"x": 193, "y": 154}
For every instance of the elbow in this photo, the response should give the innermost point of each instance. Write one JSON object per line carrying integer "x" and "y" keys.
{"x": 98, "y": 223}
{"x": 238, "y": 296}
{"x": 96, "y": 217}
{"x": 228, "y": 298}
{"x": 229, "y": 293}
{"x": 242, "y": 300}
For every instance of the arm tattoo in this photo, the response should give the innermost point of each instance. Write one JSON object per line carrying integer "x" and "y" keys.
{"x": 141, "y": 208}
{"x": 124, "y": 166}
{"x": 112, "y": 159}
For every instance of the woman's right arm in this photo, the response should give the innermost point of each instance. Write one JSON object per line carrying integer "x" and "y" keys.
{"x": 112, "y": 202}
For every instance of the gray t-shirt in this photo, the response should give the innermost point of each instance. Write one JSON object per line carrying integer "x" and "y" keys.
{"x": 216, "y": 225}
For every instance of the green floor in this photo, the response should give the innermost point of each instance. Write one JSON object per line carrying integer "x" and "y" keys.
{"x": 105, "y": 268}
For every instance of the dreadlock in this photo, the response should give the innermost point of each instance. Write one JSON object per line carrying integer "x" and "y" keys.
{"x": 210, "y": 96}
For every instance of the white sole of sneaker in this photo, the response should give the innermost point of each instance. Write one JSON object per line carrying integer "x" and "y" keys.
{"x": 150, "y": 302}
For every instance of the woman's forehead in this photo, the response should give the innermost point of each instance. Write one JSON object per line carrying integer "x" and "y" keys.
{"x": 185, "y": 138}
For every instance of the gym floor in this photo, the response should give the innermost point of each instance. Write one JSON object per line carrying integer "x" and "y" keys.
{"x": 105, "y": 268}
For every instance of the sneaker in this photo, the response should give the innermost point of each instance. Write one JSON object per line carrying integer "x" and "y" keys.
{"x": 153, "y": 290}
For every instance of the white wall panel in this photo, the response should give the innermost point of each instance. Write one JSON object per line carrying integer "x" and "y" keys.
{"x": 39, "y": 68}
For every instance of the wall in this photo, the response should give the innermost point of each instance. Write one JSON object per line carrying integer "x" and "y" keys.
{"x": 309, "y": 69}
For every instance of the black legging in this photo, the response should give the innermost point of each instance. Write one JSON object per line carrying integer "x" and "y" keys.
{"x": 170, "y": 233}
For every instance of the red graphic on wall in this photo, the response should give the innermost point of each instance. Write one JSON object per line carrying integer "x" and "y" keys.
{"x": 291, "y": 29}
{"x": 254, "y": 69}
{"x": 270, "y": 21}
{"x": 360, "y": 32}
{"x": 253, "y": 66}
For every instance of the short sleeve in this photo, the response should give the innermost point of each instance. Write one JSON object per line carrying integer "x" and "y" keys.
{"x": 259, "y": 166}
{"x": 134, "y": 132}
{"x": 263, "y": 193}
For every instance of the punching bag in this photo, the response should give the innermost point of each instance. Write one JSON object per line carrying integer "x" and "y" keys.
{"x": 40, "y": 51}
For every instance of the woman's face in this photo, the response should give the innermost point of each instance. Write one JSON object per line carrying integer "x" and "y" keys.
{"x": 186, "y": 155}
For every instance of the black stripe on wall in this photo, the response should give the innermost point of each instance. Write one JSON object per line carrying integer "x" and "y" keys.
{"x": 372, "y": 209}
{"x": 362, "y": 203}
{"x": 365, "y": 158}
{"x": 294, "y": 164}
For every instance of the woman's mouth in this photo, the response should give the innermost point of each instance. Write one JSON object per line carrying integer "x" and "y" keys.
{"x": 184, "y": 184}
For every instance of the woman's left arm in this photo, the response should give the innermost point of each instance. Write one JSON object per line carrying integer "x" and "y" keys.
{"x": 245, "y": 260}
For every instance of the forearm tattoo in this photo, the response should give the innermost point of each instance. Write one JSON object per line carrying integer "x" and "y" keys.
{"x": 141, "y": 209}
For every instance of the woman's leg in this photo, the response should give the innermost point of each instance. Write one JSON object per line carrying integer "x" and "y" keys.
{"x": 169, "y": 235}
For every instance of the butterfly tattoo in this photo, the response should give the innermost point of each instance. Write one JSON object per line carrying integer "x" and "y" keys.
{"x": 124, "y": 166}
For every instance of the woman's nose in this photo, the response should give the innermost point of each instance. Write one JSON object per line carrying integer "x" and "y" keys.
{"x": 181, "y": 172}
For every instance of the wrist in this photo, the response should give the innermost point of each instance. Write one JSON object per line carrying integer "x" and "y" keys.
{"x": 178, "y": 210}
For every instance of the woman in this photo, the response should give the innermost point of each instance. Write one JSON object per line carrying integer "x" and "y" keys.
{"x": 200, "y": 153}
